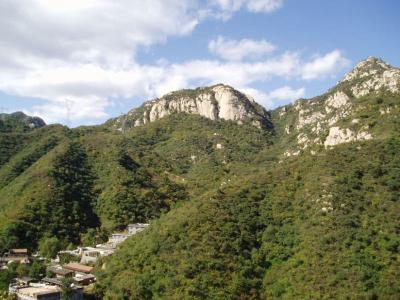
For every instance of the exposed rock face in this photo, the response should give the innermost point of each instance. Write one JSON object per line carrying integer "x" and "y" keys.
{"x": 219, "y": 102}
{"x": 337, "y": 100}
{"x": 339, "y": 136}
{"x": 340, "y": 116}
{"x": 372, "y": 75}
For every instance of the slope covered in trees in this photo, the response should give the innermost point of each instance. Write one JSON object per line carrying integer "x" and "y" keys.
{"x": 325, "y": 228}
{"x": 307, "y": 209}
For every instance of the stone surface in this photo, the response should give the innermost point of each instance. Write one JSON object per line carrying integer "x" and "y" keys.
{"x": 338, "y": 136}
{"x": 219, "y": 102}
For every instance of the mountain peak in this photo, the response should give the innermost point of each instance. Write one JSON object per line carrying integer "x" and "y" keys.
{"x": 372, "y": 75}
{"x": 19, "y": 121}
{"x": 367, "y": 67}
{"x": 216, "y": 102}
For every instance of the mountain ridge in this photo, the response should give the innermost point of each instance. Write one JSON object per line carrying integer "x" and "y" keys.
{"x": 217, "y": 102}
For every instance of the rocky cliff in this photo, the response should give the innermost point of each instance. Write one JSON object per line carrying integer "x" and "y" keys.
{"x": 218, "y": 102}
{"x": 364, "y": 104}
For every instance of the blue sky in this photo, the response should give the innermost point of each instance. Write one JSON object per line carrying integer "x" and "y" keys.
{"x": 81, "y": 62}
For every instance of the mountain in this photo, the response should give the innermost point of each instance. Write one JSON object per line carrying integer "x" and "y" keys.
{"x": 218, "y": 102}
{"x": 301, "y": 202}
{"x": 19, "y": 121}
{"x": 363, "y": 106}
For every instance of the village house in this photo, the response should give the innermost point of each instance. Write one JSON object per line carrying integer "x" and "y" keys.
{"x": 52, "y": 281}
{"x": 18, "y": 283}
{"x": 60, "y": 272}
{"x": 79, "y": 268}
{"x": 16, "y": 255}
{"x": 44, "y": 292}
{"x": 90, "y": 254}
{"x": 84, "y": 279}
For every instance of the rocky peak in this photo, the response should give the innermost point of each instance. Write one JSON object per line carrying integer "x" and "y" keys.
{"x": 367, "y": 67}
{"x": 350, "y": 111}
{"x": 218, "y": 102}
{"x": 371, "y": 75}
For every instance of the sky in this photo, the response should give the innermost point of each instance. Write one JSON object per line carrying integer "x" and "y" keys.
{"x": 81, "y": 62}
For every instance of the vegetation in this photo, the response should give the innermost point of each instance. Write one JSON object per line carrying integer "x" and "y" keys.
{"x": 231, "y": 216}
{"x": 269, "y": 236}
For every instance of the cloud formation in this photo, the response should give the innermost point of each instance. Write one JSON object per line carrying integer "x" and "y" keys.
{"x": 324, "y": 65}
{"x": 79, "y": 56}
{"x": 237, "y": 50}
{"x": 228, "y": 7}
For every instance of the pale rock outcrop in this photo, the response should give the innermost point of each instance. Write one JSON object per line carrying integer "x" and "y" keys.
{"x": 287, "y": 129}
{"x": 305, "y": 118}
{"x": 377, "y": 75}
{"x": 338, "y": 136}
{"x": 385, "y": 110}
{"x": 216, "y": 102}
{"x": 388, "y": 80}
{"x": 336, "y": 101}
{"x": 291, "y": 153}
{"x": 303, "y": 140}
{"x": 282, "y": 112}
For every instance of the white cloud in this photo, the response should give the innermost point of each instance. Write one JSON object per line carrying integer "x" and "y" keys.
{"x": 82, "y": 53}
{"x": 239, "y": 49}
{"x": 228, "y": 7}
{"x": 263, "y": 5}
{"x": 325, "y": 65}
{"x": 277, "y": 97}
{"x": 82, "y": 50}
{"x": 287, "y": 93}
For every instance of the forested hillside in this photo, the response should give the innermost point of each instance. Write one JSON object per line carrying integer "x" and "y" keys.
{"x": 298, "y": 203}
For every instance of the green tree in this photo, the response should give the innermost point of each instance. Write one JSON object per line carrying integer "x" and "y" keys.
{"x": 66, "y": 288}
{"x": 49, "y": 246}
{"x": 37, "y": 270}
{"x": 22, "y": 270}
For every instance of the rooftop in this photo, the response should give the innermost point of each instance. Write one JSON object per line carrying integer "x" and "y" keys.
{"x": 19, "y": 251}
{"x": 79, "y": 267}
{"x": 54, "y": 281}
{"x": 60, "y": 271}
{"x": 36, "y": 291}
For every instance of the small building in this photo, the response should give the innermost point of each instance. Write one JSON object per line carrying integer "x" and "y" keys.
{"x": 45, "y": 292}
{"x": 52, "y": 281}
{"x": 84, "y": 279}
{"x": 136, "y": 228}
{"x": 18, "y": 252}
{"x": 79, "y": 268}
{"x": 18, "y": 283}
{"x": 60, "y": 272}
{"x": 90, "y": 254}
{"x": 16, "y": 255}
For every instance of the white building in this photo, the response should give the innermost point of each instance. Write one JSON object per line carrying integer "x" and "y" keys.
{"x": 90, "y": 254}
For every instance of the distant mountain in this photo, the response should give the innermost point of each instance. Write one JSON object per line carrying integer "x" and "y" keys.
{"x": 218, "y": 102}
{"x": 301, "y": 202}
{"x": 19, "y": 121}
